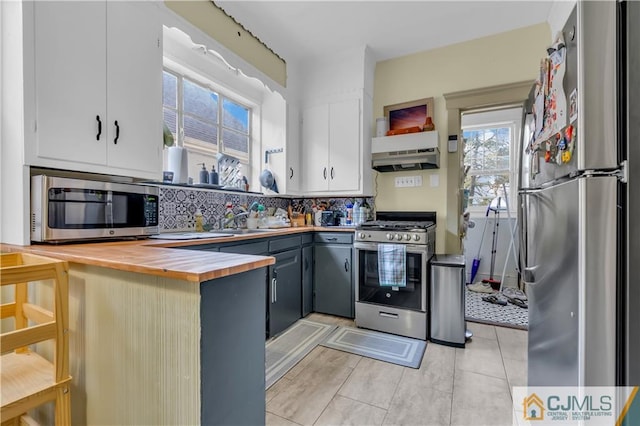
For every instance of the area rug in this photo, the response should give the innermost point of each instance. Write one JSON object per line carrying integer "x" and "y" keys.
{"x": 287, "y": 349}
{"x": 381, "y": 346}
{"x": 477, "y": 310}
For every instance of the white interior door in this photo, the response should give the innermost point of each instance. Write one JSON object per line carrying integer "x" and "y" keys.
{"x": 134, "y": 86}
{"x": 70, "y": 67}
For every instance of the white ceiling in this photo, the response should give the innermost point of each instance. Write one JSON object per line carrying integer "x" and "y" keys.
{"x": 298, "y": 30}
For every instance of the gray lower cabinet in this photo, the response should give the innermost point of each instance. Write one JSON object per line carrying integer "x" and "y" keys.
{"x": 284, "y": 291}
{"x": 260, "y": 248}
{"x": 307, "y": 280}
{"x": 333, "y": 274}
{"x": 232, "y": 355}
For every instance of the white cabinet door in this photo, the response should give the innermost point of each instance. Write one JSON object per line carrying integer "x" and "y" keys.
{"x": 294, "y": 177}
{"x": 134, "y": 86}
{"x": 344, "y": 146}
{"x": 315, "y": 139}
{"x": 70, "y": 81}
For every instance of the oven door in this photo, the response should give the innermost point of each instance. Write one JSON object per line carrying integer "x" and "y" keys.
{"x": 368, "y": 290}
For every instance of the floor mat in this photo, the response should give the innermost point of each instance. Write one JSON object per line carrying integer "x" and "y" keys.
{"x": 287, "y": 349}
{"x": 477, "y": 310}
{"x": 381, "y": 346}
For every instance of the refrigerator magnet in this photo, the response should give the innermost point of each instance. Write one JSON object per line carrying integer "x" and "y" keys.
{"x": 573, "y": 106}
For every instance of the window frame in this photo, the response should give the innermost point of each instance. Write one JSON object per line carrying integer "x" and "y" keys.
{"x": 515, "y": 125}
{"x": 198, "y": 146}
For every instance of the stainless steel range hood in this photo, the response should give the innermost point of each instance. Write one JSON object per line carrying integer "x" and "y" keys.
{"x": 413, "y": 151}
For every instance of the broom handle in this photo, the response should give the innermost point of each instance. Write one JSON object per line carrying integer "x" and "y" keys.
{"x": 486, "y": 219}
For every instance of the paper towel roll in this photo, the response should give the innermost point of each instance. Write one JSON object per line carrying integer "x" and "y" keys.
{"x": 178, "y": 164}
{"x": 381, "y": 126}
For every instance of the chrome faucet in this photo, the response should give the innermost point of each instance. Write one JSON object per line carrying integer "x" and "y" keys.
{"x": 224, "y": 221}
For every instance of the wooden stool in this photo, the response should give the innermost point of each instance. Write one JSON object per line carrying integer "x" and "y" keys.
{"x": 27, "y": 379}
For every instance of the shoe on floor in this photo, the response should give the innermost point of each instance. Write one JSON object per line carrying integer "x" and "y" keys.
{"x": 481, "y": 288}
{"x": 518, "y": 302}
{"x": 514, "y": 293}
{"x": 495, "y": 300}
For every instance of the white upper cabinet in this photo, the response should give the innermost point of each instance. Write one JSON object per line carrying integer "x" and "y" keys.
{"x": 294, "y": 175}
{"x": 344, "y": 146}
{"x": 331, "y": 135}
{"x": 315, "y": 153}
{"x": 134, "y": 88}
{"x": 336, "y": 125}
{"x": 97, "y": 68}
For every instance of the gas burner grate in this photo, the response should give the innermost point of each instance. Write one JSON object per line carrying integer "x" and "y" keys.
{"x": 396, "y": 225}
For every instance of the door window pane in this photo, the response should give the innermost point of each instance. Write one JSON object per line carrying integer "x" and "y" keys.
{"x": 487, "y": 154}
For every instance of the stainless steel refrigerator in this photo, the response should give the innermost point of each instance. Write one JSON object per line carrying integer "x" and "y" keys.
{"x": 579, "y": 206}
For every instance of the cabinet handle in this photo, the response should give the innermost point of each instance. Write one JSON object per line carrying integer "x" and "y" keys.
{"x": 332, "y": 173}
{"x": 99, "y": 127}
{"x": 274, "y": 284}
{"x": 306, "y": 264}
{"x": 291, "y": 175}
{"x": 332, "y": 239}
{"x": 115, "y": 141}
{"x": 324, "y": 173}
{"x": 346, "y": 265}
{"x": 388, "y": 315}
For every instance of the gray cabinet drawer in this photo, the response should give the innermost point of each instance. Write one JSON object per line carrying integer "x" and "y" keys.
{"x": 334, "y": 237}
{"x": 258, "y": 248}
{"x": 286, "y": 243}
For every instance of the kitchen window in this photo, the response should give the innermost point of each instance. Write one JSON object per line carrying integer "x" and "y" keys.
{"x": 205, "y": 121}
{"x": 490, "y": 141}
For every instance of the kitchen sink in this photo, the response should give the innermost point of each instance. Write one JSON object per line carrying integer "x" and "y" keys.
{"x": 216, "y": 233}
{"x": 241, "y": 231}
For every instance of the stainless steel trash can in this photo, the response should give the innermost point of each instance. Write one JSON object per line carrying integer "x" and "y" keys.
{"x": 447, "y": 300}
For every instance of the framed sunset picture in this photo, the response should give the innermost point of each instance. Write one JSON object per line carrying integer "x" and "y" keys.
{"x": 408, "y": 114}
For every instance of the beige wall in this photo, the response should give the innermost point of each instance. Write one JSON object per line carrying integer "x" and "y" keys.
{"x": 216, "y": 23}
{"x": 504, "y": 58}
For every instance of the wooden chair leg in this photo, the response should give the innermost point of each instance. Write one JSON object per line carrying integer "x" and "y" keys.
{"x": 11, "y": 422}
{"x": 63, "y": 405}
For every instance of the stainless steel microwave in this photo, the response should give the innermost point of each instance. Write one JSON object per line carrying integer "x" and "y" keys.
{"x": 64, "y": 209}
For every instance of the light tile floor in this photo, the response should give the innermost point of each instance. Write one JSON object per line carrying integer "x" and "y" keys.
{"x": 470, "y": 387}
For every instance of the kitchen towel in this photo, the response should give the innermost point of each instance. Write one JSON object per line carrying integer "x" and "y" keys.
{"x": 392, "y": 261}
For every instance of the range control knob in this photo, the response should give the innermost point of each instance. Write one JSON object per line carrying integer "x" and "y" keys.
{"x": 362, "y": 235}
{"x": 398, "y": 237}
{"x": 416, "y": 237}
{"x": 407, "y": 237}
{"x": 389, "y": 236}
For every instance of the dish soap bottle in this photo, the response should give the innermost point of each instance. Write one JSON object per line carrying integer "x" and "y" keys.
{"x": 199, "y": 226}
{"x": 213, "y": 176}
{"x": 228, "y": 216}
{"x": 204, "y": 175}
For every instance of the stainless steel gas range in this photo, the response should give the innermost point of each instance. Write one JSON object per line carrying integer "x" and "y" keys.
{"x": 399, "y": 309}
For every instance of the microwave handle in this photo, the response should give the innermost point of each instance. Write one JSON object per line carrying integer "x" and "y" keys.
{"x": 108, "y": 209}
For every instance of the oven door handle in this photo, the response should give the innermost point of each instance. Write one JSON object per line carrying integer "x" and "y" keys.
{"x": 411, "y": 248}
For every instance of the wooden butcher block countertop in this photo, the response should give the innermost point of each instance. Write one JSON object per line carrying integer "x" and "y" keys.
{"x": 161, "y": 258}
